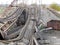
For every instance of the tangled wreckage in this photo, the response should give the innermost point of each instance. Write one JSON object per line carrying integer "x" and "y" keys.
{"x": 24, "y": 25}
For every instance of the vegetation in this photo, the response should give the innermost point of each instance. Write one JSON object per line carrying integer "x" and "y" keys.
{"x": 2, "y": 9}
{"x": 55, "y": 6}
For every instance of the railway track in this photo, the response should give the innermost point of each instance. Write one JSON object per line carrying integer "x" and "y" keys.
{"x": 55, "y": 12}
{"x": 15, "y": 14}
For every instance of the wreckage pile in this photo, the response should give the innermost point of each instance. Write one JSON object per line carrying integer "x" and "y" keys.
{"x": 25, "y": 25}
{"x": 15, "y": 20}
{"x": 18, "y": 26}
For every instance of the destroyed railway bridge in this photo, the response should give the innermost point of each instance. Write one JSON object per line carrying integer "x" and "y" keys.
{"x": 22, "y": 26}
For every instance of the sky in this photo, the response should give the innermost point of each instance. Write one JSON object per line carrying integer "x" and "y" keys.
{"x": 32, "y": 1}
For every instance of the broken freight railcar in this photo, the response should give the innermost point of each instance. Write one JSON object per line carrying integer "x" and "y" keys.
{"x": 55, "y": 24}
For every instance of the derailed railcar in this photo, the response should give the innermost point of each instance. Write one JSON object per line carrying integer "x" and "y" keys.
{"x": 55, "y": 24}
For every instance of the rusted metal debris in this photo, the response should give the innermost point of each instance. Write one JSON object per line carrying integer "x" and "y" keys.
{"x": 55, "y": 24}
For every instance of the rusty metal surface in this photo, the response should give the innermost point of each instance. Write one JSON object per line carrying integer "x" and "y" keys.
{"x": 55, "y": 24}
